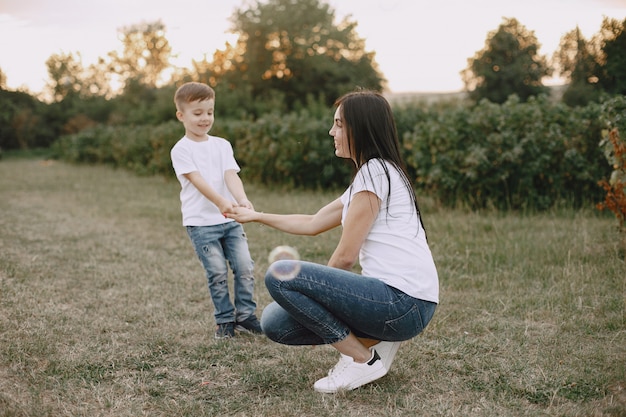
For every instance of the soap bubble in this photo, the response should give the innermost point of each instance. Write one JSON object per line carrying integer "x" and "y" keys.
{"x": 284, "y": 262}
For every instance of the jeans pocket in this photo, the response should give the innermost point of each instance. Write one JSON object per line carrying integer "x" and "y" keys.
{"x": 404, "y": 327}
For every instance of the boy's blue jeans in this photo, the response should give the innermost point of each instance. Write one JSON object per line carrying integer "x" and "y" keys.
{"x": 215, "y": 245}
{"x": 322, "y": 305}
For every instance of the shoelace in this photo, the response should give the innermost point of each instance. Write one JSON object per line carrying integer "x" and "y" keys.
{"x": 344, "y": 361}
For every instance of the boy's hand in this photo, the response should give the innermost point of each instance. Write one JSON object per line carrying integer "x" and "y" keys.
{"x": 226, "y": 207}
{"x": 245, "y": 203}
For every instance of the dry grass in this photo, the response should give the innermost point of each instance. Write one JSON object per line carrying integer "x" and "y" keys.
{"x": 104, "y": 311}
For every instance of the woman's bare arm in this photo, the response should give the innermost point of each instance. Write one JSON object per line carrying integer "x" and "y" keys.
{"x": 325, "y": 219}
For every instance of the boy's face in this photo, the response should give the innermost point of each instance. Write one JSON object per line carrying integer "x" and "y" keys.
{"x": 198, "y": 118}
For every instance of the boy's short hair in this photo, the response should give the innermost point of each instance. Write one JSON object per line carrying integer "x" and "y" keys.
{"x": 192, "y": 91}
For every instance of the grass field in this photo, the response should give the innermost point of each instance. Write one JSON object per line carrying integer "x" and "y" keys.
{"x": 104, "y": 311}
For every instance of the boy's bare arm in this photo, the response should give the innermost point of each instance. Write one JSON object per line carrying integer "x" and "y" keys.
{"x": 206, "y": 190}
{"x": 235, "y": 186}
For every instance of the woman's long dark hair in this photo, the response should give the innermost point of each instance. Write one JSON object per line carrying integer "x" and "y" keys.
{"x": 371, "y": 133}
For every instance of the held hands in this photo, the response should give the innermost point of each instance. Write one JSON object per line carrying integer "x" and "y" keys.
{"x": 231, "y": 210}
{"x": 242, "y": 214}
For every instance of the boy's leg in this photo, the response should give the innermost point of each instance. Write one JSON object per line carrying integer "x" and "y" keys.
{"x": 206, "y": 242}
{"x": 238, "y": 255}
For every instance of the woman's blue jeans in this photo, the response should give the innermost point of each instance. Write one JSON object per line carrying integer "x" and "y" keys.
{"x": 215, "y": 245}
{"x": 322, "y": 305}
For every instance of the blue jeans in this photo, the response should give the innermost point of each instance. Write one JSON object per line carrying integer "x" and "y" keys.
{"x": 215, "y": 245}
{"x": 322, "y": 305}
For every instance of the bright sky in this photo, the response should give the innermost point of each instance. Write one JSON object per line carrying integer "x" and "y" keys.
{"x": 420, "y": 45}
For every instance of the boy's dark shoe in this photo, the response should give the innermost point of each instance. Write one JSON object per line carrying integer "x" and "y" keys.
{"x": 225, "y": 331}
{"x": 250, "y": 325}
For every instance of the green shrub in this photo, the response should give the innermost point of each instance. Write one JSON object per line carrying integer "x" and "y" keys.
{"x": 530, "y": 155}
{"x": 293, "y": 150}
{"x": 614, "y": 148}
{"x": 142, "y": 149}
{"x": 24, "y": 122}
{"x": 515, "y": 155}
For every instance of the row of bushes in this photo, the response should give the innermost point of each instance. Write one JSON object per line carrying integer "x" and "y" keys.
{"x": 515, "y": 155}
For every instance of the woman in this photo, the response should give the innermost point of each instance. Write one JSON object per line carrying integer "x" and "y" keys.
{"x": 364, "y": 316}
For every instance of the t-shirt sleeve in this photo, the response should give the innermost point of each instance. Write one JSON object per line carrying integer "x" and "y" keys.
{"x": 229, "y": 160}
{"x": 371, "y": 177}
{"x": 182, "y": 161}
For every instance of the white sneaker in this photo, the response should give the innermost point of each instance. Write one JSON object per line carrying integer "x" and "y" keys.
{"x": 348, "y": 375}
{"x": 387, "y": 351}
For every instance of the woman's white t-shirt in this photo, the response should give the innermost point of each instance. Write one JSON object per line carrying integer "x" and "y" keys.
{"x": 212, "y": 158}
{"x": 395, "y": 250}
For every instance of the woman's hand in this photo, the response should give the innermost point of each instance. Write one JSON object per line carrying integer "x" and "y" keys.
{"x": 242, "y": 214}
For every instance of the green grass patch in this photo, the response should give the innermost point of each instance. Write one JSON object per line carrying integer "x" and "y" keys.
{"x": 105, "y": 310}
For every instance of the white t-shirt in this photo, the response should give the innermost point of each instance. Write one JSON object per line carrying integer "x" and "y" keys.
{"x": 395, "y": 250}
{"x": 212, "y": 158}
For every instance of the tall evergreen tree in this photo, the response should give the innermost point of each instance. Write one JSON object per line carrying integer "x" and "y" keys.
{"x": 576, "y": 63}
{"x": 613, "y": 60}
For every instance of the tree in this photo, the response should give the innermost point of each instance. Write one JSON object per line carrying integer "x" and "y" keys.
{"x": 613, "y": 57}
{"x": 3, "y": 80}
{"x": 97, "y": 80}
{"x": 65, "y": 72}
{"x": 145, "y": 56}
{"x": 79, "y": 93}
{"x": 576, "y": 63}
{"x": 291, "y": 49}
{"x": 508, "y": 64}
{"x": 68, "y": 77}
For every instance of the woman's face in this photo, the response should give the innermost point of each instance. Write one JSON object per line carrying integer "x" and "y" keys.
{"x": 342, "y": 148}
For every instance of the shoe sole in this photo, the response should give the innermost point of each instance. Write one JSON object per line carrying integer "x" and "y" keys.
{"x": 366, "y": 379}
{"x": 242, "y": 329}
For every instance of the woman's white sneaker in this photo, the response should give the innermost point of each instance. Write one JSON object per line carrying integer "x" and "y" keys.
{"x": 348, "y": 375}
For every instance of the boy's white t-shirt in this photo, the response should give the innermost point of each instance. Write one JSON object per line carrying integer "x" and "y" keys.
{"x": 395, "y": 250}
{"x": 212, "y": 158}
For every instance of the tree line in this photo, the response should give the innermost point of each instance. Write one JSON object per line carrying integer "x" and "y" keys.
{"x": 509, "y": 145}
{"x": 288, "y": 54}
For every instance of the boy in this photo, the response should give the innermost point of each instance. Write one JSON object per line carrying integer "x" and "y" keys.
{"x": 210, "y": 186}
